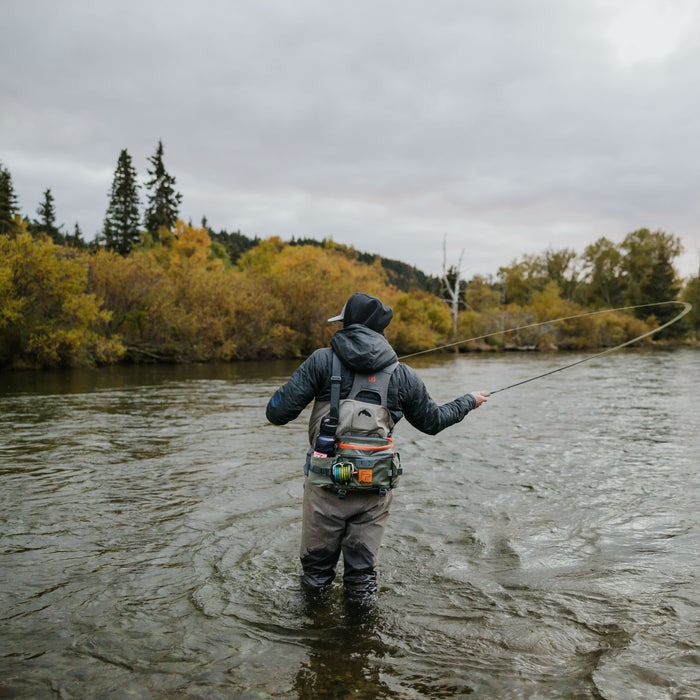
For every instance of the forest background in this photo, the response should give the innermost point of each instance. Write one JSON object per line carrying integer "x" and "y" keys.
{"x": 153, "y": 288}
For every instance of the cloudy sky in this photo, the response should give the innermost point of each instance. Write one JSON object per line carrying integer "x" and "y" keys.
{"x": 508, "y": 126}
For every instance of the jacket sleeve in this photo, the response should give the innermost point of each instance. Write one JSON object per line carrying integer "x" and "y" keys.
{"x": 422, "y": 412}
{"x": 293, "y": 397}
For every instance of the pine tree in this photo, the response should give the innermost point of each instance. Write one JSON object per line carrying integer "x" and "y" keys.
{"x": 8, "y": 203}
{"x": 76, "y": 240}
{"x": 662, "y": 284}
{"x": 46, "y": 223}
{"x": 691, "y": 294}
{"x": 121, "y": 226}
{"x": 163, "y": 201}
{"x": 650, "y": 275}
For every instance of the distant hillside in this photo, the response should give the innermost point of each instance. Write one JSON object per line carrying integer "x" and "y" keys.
{"x": 402, "y": 275}
{"x": 235, "y": 244}
{"x": 399, "y": 274}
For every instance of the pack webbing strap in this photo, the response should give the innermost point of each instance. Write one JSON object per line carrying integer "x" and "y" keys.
{"x": 335, "y": 390}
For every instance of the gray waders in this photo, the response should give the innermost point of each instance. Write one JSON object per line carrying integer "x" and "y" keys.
{"x": 353, "y": 525}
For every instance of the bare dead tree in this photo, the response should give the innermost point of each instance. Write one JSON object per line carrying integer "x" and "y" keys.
{"x": 451, "y": 287}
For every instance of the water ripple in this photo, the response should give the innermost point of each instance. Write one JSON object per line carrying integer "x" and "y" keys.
{"x": 546, "y": 547}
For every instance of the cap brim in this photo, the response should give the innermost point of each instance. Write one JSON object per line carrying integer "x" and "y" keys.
{"x": 339, "y": 317}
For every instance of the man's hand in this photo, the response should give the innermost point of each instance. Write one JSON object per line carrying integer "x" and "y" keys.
{"x": 480, "y": 396}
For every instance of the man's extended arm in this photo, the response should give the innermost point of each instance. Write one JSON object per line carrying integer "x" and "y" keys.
{"x": 423, "y": 413}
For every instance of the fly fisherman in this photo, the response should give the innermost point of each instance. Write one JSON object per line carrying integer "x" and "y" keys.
{"x": 361, "y": 391}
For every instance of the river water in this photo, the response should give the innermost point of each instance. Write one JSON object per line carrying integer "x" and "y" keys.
{"x": 547, "y": 547}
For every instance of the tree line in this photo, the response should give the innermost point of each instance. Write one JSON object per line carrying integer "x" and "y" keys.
{"x": 153, "y": 288}
{"x": 122, "y": 223}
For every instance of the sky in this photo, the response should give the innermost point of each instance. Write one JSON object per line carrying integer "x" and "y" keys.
{"x": 412, "y": 129}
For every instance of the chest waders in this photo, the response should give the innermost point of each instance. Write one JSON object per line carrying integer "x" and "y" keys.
{"x": 353, "y": 450}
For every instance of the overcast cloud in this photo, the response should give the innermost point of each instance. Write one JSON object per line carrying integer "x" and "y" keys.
{"x": 510, "y": 126}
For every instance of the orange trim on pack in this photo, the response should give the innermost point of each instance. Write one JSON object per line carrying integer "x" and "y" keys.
{"x": 366, "y": 447}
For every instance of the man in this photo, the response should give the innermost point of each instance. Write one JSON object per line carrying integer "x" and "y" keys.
{"x": 347, "y": 490}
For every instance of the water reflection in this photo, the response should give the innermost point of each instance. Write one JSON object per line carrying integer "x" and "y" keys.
{"x": 79, "y": 381}
{"x": 345, "y": 651}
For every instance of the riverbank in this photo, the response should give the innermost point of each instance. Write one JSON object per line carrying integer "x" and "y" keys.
{"x": 292, "y": 361}
{"x": 179, "y": 301}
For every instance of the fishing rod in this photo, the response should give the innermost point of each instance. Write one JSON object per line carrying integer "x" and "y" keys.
{"x": 686, "y": 308}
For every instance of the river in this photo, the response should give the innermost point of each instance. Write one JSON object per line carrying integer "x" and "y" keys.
{"x": 546, "y": 547}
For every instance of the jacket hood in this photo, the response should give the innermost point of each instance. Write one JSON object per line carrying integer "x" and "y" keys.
{"x": 362, "y": 349}
{"x": 367, "y": 310}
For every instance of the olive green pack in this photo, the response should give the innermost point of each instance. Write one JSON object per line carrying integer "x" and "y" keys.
{"x": 364, "y": 459}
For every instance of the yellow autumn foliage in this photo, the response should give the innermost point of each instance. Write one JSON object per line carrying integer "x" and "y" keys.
{"x": 180, "y": 299}
{"x": 311, "y": 283}
{"x": 421, "y": 321}
{"x": 47, "y": 315}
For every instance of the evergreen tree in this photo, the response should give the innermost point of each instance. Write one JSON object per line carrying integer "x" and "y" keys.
{"x": 235, "y": 243}
{"x": 650, "y": 275}
{"x": 163, "y": 201}
{"x": 76, "y": 240}
{"x": 8, "y": 203}
{"x": 661, "y": 284}
{"x": 691, "y": 294}
{"x": 121, "y": 226}
{"x": 46, "y": 223}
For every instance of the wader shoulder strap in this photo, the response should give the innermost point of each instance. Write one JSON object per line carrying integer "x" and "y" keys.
{"x": 335, "y": 390}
